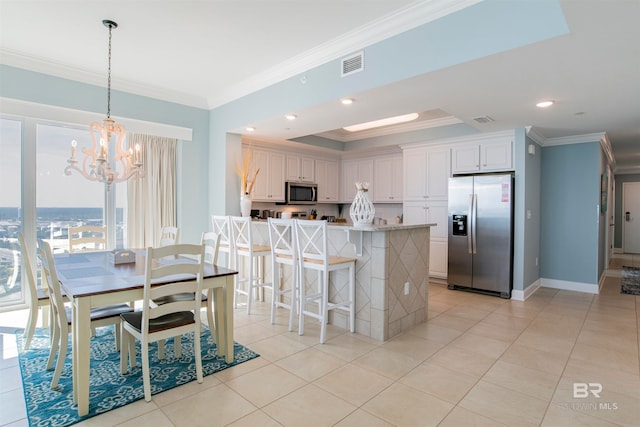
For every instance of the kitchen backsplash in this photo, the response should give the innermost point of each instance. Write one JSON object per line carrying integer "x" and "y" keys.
{"x": 388, "y": 211}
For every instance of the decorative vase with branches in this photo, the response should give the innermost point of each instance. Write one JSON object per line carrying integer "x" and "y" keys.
{"x": 246, "y": 185}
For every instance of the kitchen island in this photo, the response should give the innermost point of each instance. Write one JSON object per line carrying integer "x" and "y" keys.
{"x": 392, "y": 275}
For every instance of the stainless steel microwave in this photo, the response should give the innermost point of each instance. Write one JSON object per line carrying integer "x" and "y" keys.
{"x": 300, "y": 193}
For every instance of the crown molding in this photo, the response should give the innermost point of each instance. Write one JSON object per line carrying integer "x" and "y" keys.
{"x": 627, "y": 171}
{"x": 57, "y": 69}
{"x": 404, "y": 19}
{"x": 533, "y": 134}
{"x": 605, "y": 143}
{"x": 574, "y": 139}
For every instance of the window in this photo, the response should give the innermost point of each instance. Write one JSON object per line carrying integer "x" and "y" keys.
{"x": 34, "y": 156}
{"x": 11, "y": 290}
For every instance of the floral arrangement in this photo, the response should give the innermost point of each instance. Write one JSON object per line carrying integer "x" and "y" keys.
{"x": 243, "y": 171}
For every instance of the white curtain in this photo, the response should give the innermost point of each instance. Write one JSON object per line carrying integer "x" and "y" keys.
{"x": 152, "y": 199}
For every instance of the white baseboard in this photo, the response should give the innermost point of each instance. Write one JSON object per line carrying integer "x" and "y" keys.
{"x": 570, "y": 286}
{"x": 519, "y": 295}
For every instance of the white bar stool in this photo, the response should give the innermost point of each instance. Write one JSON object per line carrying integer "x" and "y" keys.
{"x": 244, "y": 247}
{"x": 222, "y": 226}
{"x": 313, "y": 250}
{"x": 283, "y": 252}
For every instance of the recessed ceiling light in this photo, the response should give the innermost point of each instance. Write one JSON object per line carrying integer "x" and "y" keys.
{"x": 382, "y": 122}
{"x": 291, "y": 116}
{"x": 545, "y": 104}
{"x": 347, "y": 101}
{"x": 250, "y": 129}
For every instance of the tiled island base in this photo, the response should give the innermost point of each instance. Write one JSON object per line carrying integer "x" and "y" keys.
{"x": 392, "y": 283}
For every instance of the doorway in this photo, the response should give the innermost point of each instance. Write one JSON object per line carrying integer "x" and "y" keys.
{"x": 631, "y": 217}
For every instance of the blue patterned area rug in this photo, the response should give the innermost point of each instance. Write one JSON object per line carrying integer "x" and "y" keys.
{"x": 109, "y": 389}
{"x": 630, "y": 282}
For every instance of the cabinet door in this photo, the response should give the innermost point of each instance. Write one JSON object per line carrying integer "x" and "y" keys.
{"x": 414, "y": 213}
{"x": 387, "y": 185}
{"x": 437, "y": 173}
{"x": 415, "y": 174}
{"x": 269, "y": 186}
{"x": 354, "y": 171}
{"x": 307, "y": 169}
{"x": 300, "y": 168}
{"x": 438, "y": 258}
{"x": 497, "y": 156}
{"x": 276, "y": 177}
{"x": 260, "y": 189}
{"x": 437, "y": 213}
{"x": 328, "y": 180}
{"x": 465, "y": 158}
{"x": 293, "y": 168}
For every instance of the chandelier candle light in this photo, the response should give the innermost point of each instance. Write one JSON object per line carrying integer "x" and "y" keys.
{"x": 100, "y": 163}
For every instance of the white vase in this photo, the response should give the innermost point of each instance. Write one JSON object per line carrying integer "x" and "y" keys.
{"x": 245, "y": 205}
{"x": 362, "y": 210}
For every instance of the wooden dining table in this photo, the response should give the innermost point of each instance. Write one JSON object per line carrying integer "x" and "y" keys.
{"x": 90, "y": 279}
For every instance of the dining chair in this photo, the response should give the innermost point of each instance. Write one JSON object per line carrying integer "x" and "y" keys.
{"x": 283, "y": 253}
{"x": 221, "y": 225}
{"x": 245, "y": 248}
{"x": 169, "y": 236}
{"x": 176, "y": 317}
{"x": 61, "y": 314}
{"x": 211, "y": 242}
{"x": 312, "y": 241}
{"x": 87, "y": 238}
{"x": 38, "y": 297}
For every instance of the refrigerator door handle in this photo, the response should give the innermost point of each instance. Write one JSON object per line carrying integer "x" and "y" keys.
{"x": 470, "y": 229}
{"x": 474, "y": 208}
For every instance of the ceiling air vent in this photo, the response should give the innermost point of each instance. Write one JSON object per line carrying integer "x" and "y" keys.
{"x": 352, "y": 64}
{"x": 483, "y": 119}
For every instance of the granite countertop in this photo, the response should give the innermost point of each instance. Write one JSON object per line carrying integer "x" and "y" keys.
{"x": 370, "y": 227}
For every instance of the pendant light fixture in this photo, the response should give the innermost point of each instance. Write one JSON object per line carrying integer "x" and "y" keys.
{"x": 108, "y": 160}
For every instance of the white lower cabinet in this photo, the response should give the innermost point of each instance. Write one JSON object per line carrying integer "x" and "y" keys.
{"x": 438, "y": 258}
{"x": 427, "y": 213}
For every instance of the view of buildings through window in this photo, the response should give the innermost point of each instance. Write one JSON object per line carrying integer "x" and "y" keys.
{"x": 61, "y": 201}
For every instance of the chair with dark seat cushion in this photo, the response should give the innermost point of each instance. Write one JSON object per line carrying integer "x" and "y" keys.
{"x": 183, "y": 266}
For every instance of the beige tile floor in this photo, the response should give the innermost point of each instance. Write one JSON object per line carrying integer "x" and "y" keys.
{"x": 478, "y": 360}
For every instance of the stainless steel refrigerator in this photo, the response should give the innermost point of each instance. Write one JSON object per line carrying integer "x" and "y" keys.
{"x": 481, "y": 233}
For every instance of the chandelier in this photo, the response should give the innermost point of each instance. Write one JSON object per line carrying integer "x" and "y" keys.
{"x": 107, "y": 160}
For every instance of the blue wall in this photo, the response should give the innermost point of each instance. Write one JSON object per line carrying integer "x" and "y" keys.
{"x": 570, "y": 198}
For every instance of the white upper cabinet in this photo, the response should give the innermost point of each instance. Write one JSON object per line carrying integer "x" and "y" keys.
{"x": 269, "y": 186}
{"x": 328, "y": 180}
{"x": 492, "y": 155}
{"x": 426, "y": 173}
{"x": 387, "y": 179}
{"x": 300, "y": 168}
{"x": 352, "y": 172}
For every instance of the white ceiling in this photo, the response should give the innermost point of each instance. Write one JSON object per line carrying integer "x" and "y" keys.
{"x": 206, "y": 53}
